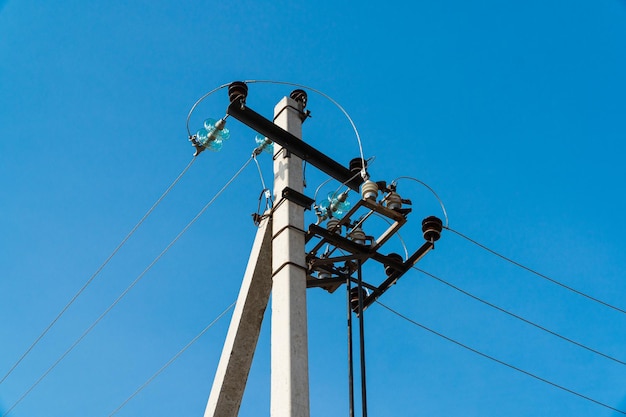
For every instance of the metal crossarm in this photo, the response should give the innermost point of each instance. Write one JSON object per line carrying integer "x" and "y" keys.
{"x": 294, "y": 145}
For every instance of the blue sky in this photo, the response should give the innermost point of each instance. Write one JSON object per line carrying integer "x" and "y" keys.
{"x": 513, "y": 112}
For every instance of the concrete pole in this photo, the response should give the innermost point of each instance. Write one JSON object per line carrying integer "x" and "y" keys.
{"x": 289, "y": 342}
{"x": 245, "y": 326}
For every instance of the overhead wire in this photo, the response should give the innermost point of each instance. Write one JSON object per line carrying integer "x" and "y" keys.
{"x": 446, "y": 226}
{"x": 168, "y": 363}
{"x": 363, "y": 171}
{"x": 397, "y": 233}
{"x": 266, "y": 191}
{"x": 547, "y": 278}
{"x": 343, "y": 184}
{"x": 612, "y": 358}
{"x": 82, "y": 289}
{"x": 123, "y": 294}
{"x": 518, "y": 317}
{"x": 326, "y": 96}
{"x": 515, "y": 368}
{"x": 199, "y": 101}
{"x": 98, "y": 270}
{"x": 429, "y": 188}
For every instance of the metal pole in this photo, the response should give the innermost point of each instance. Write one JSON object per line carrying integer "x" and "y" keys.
{"x": 289, "y": 345}
{"x": 362, "y": 342}
{"x": 350, "y": 349}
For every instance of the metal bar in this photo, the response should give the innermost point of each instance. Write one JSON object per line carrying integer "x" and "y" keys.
{"x": 395, "y": 276}
{"x": 398, "y": 221}
{"x": 350, "y": 354}
{"x": 337, "y": 240}
{"x": 298, "y": 198}
{"x": 346, "y": 244}
{"x": 294, "y": 145}
{"x": 329, "y": 282}
{"x": 362, "y": 342}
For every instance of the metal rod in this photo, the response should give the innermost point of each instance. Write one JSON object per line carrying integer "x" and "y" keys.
{"x": 362, "y": 341}
{"x": 350, "y": 354}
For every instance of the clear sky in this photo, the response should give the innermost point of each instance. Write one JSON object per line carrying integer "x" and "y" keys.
{"x": 513, "y": 112}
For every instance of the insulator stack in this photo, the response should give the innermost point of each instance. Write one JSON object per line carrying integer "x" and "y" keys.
{"x": 356, "y": 165}
{"x": 369, "y": 190}
{"x": 354, "y": 298}
{"x": 394, "y": 201}
{"x": 238, "y": 90}
{"x": 390, "y": 269}
{"x": 332, "y": 223}
{"x": 358, "y": 236}
{"x": 432, "y": 226}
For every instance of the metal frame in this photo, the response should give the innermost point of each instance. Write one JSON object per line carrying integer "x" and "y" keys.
{"x": 358, "y": 252}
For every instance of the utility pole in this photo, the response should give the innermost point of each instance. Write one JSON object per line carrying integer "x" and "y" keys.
{"x": 338, "y": 246}
{"x": 276, "y": 264}
{"x": 289, "y": 342}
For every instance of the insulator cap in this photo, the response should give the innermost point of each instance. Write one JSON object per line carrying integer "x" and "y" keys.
{"x": 390, "y": 269}
{"x": 237, "y": 90}
{"x": 299, "y": 96}
{"x": 432, "y": 226}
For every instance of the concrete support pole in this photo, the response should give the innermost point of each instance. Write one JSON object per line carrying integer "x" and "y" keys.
{"x": 232, "y": 371}
{"x": 289, "y": 349}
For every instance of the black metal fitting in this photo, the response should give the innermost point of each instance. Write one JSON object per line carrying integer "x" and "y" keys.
{"x": 356, "y": 165}
{"x": 349, "y": 267}
{"x": 432, "y": 226}
{"x": 238, "y": 90}
{"x": 296, "y": 197}
{"x": 390, "y": 269}
{"x": 300, "y": 96}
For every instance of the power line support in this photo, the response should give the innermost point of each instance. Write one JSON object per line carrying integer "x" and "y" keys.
{"x": 232, "y": 371}
{"x": 289, "y": 340}
{"x": 279, "y": 264}
{"x": 276, "y": 265}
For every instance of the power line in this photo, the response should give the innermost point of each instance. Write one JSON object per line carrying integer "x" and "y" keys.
{"x": 462, "y": 291}
{"x": 502, "y": 362}
{"x": 157, "y": 373}
{"x": 429, "y": 188}
{"x": 537, "y": 273}
{"x": 119, "y": 298}
{"x": 97, "y": 272}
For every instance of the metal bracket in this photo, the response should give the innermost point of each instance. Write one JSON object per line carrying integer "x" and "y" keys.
{"x": 298, "y": 198}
